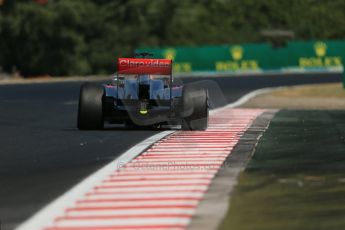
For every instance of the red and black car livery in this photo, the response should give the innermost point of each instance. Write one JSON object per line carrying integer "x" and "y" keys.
{"x": 143, "y": 94}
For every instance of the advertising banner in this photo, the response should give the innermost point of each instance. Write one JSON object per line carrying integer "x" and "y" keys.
{"x": 299, "y": 55}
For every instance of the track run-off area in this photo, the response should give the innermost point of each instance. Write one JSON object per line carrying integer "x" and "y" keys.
{"x": 43, "y": 155}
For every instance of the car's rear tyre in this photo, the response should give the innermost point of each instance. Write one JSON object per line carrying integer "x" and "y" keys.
{"x": 90, "y": 109}
{"x": 194, "y": 108}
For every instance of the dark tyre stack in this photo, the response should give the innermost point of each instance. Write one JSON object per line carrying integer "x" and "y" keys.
{"x": 90, "y": 109}
{"x": 194, "y": 108}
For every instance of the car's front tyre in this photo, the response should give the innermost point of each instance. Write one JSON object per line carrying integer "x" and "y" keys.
{"x": 90, "y": 108}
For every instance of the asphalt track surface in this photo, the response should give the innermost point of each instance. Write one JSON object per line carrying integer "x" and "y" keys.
{"x": 42, "y": 154}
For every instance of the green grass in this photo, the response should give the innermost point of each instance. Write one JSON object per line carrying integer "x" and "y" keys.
{"x": 329, "y": 90}
{"x": 296, "y": 179}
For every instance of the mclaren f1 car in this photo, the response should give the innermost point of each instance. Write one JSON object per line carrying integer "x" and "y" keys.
{"x": 143, "y": 93}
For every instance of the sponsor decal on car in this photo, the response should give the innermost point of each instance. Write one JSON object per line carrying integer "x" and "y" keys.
{"x": 141, "y": 65}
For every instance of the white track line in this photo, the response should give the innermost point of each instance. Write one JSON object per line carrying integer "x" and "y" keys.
{"x": 249, "y": 96}
{"x": 56, "y": 208}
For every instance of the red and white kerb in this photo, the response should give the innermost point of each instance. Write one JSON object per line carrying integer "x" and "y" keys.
{"x": 162, "y": 187}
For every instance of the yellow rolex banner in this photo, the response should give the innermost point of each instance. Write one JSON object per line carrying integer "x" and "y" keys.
{"x": 318, "y": 54}
{"x": 303, "y": 55}
{"x": 238, "y": 57}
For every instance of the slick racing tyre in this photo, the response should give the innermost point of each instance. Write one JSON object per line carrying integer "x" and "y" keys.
{"x": 194, "y": 108}
{"x": 90, "y": 109}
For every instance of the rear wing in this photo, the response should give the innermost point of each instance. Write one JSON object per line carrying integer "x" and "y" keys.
{"x": 144, "y": 66}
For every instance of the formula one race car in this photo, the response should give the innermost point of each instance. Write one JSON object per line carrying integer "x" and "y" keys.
{"x": 143, "y": 94}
